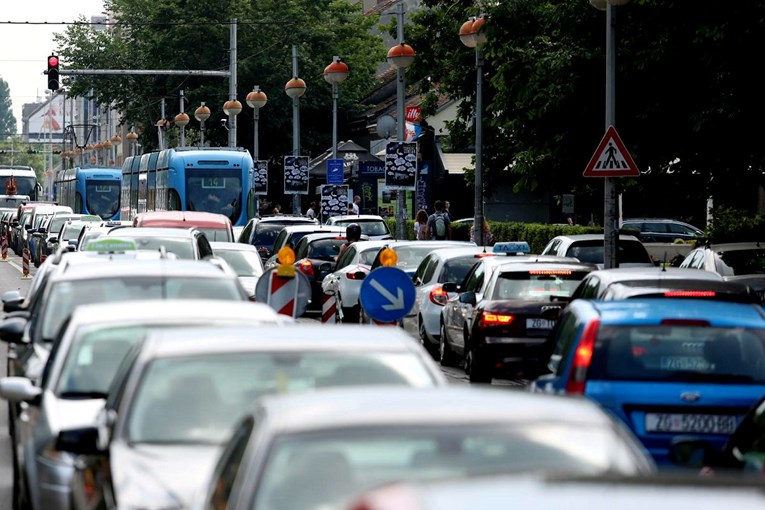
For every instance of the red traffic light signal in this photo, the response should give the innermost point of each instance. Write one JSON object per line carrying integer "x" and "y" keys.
{"x": 52, "y": 73}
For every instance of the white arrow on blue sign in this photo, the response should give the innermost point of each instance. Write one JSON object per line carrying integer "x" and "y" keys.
{"x": 387, "y": 294}
{"x": 335, "y": 171}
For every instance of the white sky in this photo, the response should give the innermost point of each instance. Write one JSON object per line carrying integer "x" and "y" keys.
{"x": 24, "y": 48}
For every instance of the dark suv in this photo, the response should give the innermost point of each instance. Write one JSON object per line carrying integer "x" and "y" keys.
{"x": 661, "y": 230}
{"x": 262, "y": 232}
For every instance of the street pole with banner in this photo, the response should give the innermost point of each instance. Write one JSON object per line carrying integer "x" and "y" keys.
{"x": 296, "y": 176}
{"x": 401, "y": 173}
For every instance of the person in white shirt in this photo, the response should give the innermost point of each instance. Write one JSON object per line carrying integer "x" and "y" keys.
{"x": 355, "y": 204}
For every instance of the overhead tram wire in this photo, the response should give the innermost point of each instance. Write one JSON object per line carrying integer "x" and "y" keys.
{"x": 150, "y": 24}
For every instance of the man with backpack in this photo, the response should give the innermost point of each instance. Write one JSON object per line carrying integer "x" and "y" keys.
{"x": 439, "y": 223}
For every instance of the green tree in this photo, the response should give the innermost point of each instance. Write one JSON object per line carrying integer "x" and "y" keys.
{"x": 689, "y": 105}
{"x": 7, "y": 119}
{"x": 15, "y": 152}
{"x": 179, "y": 34}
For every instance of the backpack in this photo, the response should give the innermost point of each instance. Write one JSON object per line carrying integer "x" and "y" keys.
{"x": 440, "y": 222}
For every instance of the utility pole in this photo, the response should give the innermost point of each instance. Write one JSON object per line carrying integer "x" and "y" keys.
{"x": 400, "y": 124}
{"x": 295, "y": 128}
{"x": 161, "y": 129}
{"x": 232, "y": 83}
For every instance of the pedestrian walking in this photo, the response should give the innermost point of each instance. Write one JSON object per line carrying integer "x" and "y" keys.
{"x": 446, "y": 209}
{"x": 311, "y": 212}
{"x": 355, "y": 204}
{"x": 421, "y": 226}
{"x": 439, "y": 224}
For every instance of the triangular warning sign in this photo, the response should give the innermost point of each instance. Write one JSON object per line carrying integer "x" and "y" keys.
{"x": 611, "y": 158}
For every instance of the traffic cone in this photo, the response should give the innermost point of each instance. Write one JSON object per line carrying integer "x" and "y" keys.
{"x": 25, "y": 265}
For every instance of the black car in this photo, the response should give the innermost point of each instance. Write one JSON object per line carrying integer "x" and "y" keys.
{"x": 315, "y": 256}
{"x": 662, "y": 230}
{"x": 510, "y": 325}
{"x": 262, "y": 232}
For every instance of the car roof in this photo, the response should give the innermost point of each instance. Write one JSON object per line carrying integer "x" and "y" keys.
{"x": 531, "y": 265}
{"x": 323, "y": 235}
{"x": 284, "y": 219}
{"x": 126, "y": 231}
{"x": 356, "y": 217}
{"x": 654, "y": 273}
{"x": 139, "y": 267}
{"x": 177, "y": 218}
{"x": 647, "y": 311}
{"x": 381, "y": 406}
{"x": 232, "y": 246}
{"x": 754, "y": 245}
{"x": 311, "y": 227}
{"x": 592, "y": 237}
{"x": 137, "y": 312}
{"x": 301, "y": 338}
{"x": 711, "y": 289}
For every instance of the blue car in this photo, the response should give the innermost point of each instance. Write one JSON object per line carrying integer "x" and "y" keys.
{"x": 668, "y": 368}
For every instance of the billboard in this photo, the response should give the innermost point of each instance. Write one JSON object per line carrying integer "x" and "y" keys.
{"x": 47, "y": 122}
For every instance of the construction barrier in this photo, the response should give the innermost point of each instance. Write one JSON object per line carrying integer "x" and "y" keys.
{"x": 5, "y": 248}
{"x": 282, "y": 293}
{"x": 25, "y": 265}
{"x": 328, "y": 309}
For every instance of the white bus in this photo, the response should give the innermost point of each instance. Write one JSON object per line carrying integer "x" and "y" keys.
{"x": 24, "y": 181}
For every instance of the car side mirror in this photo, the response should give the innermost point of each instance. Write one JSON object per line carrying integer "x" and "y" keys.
{"x": 11, "y": 300}
{"x": 27, "y": 227}
{"x": 12, "y": 330}
{"x": 468, "y": 298}
{"x": 450, "y": 287}
{"x": 80, "y": 441}
{"x": 19, "y": 389}
{"x": 72, "y": 242}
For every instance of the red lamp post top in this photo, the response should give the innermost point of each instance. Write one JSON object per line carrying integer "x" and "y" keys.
{"x": 401, "y": 55}
{"x": 337, "y": 71}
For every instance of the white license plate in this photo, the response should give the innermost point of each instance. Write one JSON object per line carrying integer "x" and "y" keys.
{"x": 691, "y": 423}
{"x": 539, "y": 324}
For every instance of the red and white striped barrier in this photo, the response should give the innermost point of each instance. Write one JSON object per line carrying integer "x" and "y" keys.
{"x": 282, "y": 293}
{"x": 328, "y": 309}
{"x": 5, "y": 248}
{"x": 25, "y": 264}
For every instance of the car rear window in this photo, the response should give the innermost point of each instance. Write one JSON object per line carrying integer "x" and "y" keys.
{"x": 679, "y": 352}
{"x": 265, "y": 233}
{"x": 455, "y": 269}
{"x": 738, "y": 262}
{"x": 537, "y": 284}
{"x": 325, "y": 249}
{"x": 629, "y": 251}
{"x": 368, "y": 227}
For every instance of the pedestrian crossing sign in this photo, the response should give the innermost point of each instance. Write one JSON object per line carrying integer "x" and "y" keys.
{"x": 611, "y": 158}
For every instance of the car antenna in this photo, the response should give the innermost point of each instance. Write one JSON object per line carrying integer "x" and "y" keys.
{"x": 664, "y": 263}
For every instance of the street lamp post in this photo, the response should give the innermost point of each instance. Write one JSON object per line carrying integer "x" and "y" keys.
{"x": 335, "y": 73}
{"x": 295, "y": 88}
{"x": 256, "y": 100}
{"x": 232, "y": 108}
{"x": 202, "y": 113}
{"x": 610, "y": 217}
{"x": 132, "y": 139}
{"x": 472, "y": 36}
{"x": 401, "y": 56}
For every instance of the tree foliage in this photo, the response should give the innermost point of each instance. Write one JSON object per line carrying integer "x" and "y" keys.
{"x": 194, "y": 35}
{"x": 7, "y": 119}
{"x": 688, "y": 103}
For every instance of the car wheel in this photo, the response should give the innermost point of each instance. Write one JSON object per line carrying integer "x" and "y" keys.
{"x": 432, "y": 349}
{"x": 477, "y": 366}
{"x": 446, "y": 356}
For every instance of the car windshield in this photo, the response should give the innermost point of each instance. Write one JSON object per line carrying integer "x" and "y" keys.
{"x": 739, "y": 262}
{"x": 368, "y": 227}
{"x": 165, "y": 408}
{"x": 93, "y": 358}
{"x": 320, "y": 470}
{"x": 537, "y": 284}
{"x": 682, "y": 353}
{"x": 64, "y": 296}
{"x": 325, "y": 249}
{"x": 71, "y": 231}
{"x": 409, "y": 257}
{"x": 629, "y": 251}
{"x": 217, "y": 234}
{"x": 244, "y": 263}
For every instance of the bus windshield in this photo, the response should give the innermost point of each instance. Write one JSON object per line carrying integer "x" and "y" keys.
{"x": 24, "y": 185}
{"x": 214, "y": 190}
{"x": 103, "y": 197}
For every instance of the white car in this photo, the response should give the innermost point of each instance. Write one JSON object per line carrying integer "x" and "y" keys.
{"x": 349, "y": 272}
{"x": 589, "y": 248}
{"x": 371, "y": 225}
{"x": 438, "y": 267}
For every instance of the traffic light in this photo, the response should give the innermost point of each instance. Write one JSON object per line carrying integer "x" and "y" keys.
{"x": 53, "y": 72}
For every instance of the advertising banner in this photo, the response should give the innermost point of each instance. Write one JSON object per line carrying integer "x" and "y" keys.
{"x": 334, "y": 201}
{"x": 401, "y": 165}
{"x": 296, "y": 175}
{"x": 260, "y": 178}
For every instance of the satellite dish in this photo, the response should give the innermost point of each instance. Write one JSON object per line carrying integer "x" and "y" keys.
{"x": 386, "y": 126}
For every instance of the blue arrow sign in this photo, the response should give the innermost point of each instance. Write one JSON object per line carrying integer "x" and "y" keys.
{"x": 335, "y": 171}
{"x": 387, "y": 294}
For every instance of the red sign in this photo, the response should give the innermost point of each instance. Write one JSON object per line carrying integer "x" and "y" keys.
{"x": 413, "y": 113}
{"x": 611, "y": 158}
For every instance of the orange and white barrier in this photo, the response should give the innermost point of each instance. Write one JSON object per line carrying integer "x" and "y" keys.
{"x": 328, "y": 309}
{"x": 282, "y": 293}
{"x": 4, "y": 244}
{"x": 25, "y": 264}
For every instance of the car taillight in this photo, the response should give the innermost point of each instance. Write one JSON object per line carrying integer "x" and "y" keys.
{"x": 306, "y": 267}
{"x": 582, "y": 359}
{"x": 685, "y": 322}
{"x": 690, "y": 293}
{"x": 438, "y": 296}
{"x": 489, "y": 319}
{"x": 352, "y": 276}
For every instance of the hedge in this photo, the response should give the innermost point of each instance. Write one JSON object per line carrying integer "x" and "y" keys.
{"x": 536, "y": 234}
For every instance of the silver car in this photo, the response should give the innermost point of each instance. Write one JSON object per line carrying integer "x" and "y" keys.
{"x": 78, "y": 375}
{"x": 310, "y": 452}
{"x": 244, "y": 261}
{"x": 185, "y": 391}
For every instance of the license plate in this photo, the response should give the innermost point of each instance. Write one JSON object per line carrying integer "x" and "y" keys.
{"x": 691, "y": 423}
{"x": 539, "y": 324}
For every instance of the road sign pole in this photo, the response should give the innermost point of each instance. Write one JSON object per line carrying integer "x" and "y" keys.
{"x": 609, "y": 191}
